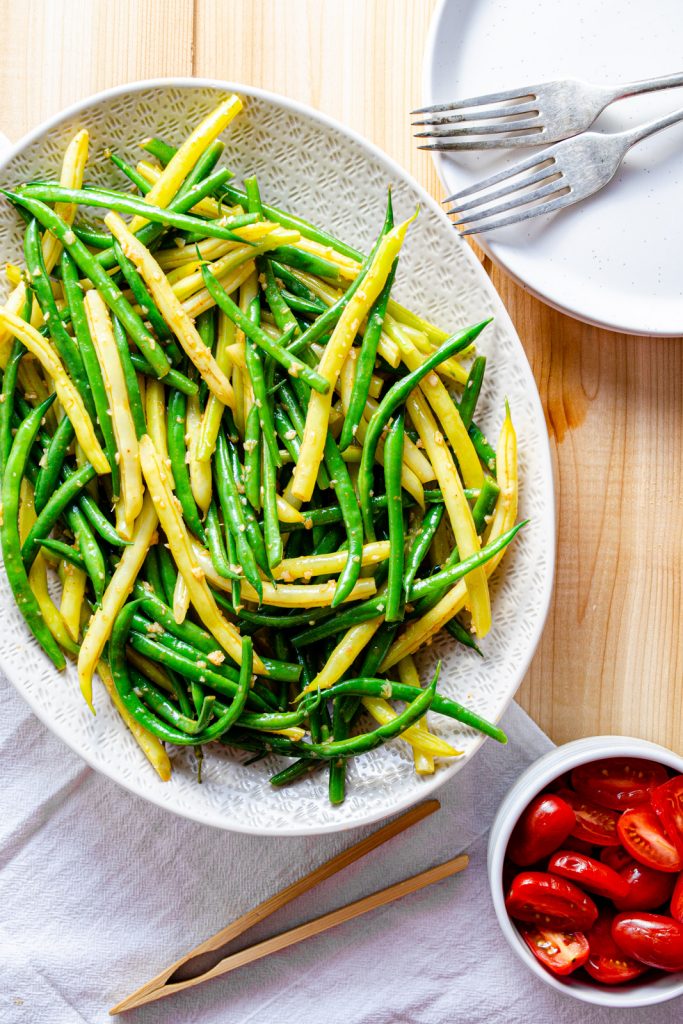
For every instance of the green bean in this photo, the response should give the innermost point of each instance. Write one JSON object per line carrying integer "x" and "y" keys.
{"x": 118, "y": 304}
{"x": 119, "y": 670}
{"x": 485, "y": 504}
{"x": 295, "y": 285}
{"x": 153, "y": 576}
{"x": 130, "y": 377}
{"x": 147, "y": 304}
{"x": 166, "y": 709}
{"x": 53, "y": 508}
{"x": 235, "y": 604}
{"x": 265, "y": 744}
{"x": 271, "y": 526}
{"x": 370, "y": 740}
{"x": 125, "y": 203}
{"x": 202, "y": 170}
{"x": 337, "y": 769}
{"x": 285, "y": 620}
{"x": 296, "y": 770}
{"x": 421, "y": 544}
{"x": 459, "y": 633}
{"x": 254, "y": 204}
{"x": 9, "y": 383}
{"x": 403, "y": 691}
{"x": 447, "y": 577}
{"x": 470, "y": 396}
{"x": 165, "y": 153}
{"x": 74, "y": 298}
{"x": 64, "y": 551}
{"x": 214, "y": 539}
{"x": 63, "y": 342}
{"x": 396, "y": 396}
{"x": 252, "y": 458}
{"x": 9, "y": 533}
{"x": 176, "y": 427}
{"x": 483, "y": 449}
{"x": 173, "y": 379}
{"x": 253, "y": 530}
{"x": 97, "y": 519}
{"x": 131, "y": 173}
{"x": 233, "y": 513}
{"x": 262, "y": 401}
{"x": 95, "y": 239}
{"x": 340, "y": 622}
{"x": 304, "y": 306}
{"x": 282, "y": 314}
{"x": 52, "y": 462}
{"x": 91, "y": 553}
{"x": 275, "y": 349}
{"x": 168, "y": 572}
{"x": 393, "y": 465}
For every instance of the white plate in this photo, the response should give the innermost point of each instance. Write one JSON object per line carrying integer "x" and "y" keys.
{"x": 613, "y": 260}
{"x": 314, "y": 166}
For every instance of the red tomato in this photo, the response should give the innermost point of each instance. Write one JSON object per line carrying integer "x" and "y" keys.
{"x": 543, "y": 826}
{"x": 667, "y": 801}
{"x": 642, "y": 835}
{"x": 647, "y": 889}
{"x": 653, "y": 939}
{"x": 615, "y": 857}
{"x": 595, "y": 825}
{"x": 544, "y": 899}
{"x": 606, "y": 962}
{"x": 618, "y": 782}
{"x": 588, "y": 873}
{"x": 677, "y": 900}
{"x": 561, "y": 952}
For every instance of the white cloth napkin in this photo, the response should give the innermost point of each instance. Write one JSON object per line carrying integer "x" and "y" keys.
{"x": 100, "y": 890}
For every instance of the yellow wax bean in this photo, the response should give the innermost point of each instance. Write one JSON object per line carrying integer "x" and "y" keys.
{"x": 458, "y": 509}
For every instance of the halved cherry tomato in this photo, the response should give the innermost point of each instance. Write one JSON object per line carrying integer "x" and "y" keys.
{"x": 667, "y": 801}
{"x": 642, "y": 834}
{"x": 615, "y": 857}
{"x": 588, "y": 873}
{"x": 651, "y": 938}
{"x": 561, "y": 952}
{"x": 544, "y": 899}
{"x": 647, "y": 889}
{"x": 606, "y": 962}
{"x": 595, "y": 825}
{"x": 618, "y": 782}
{"x": 677, "y": 900}
{"x": 542, "y": 828}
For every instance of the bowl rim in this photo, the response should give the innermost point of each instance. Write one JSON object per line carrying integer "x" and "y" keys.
{"x": 544, "y": 591}
{"x": 529, "y": 784}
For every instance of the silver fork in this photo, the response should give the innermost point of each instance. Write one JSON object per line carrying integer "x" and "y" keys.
{"x": 530, "y": 116}
{"x": 560, "y": 175}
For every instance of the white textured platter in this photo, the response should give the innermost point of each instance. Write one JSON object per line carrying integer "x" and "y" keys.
{"x": 612, "y": 260}
{"x": 319, "y": 169}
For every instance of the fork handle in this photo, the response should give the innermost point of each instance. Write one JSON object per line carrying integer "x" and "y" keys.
{"x": 633, "y": 135}
{"x": 648, "y": 85}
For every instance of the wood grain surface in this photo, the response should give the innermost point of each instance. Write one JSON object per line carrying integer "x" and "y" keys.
{"x": 611, "y": 658}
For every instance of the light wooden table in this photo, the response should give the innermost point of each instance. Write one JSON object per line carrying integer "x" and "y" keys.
{"x": 611, "y": 658}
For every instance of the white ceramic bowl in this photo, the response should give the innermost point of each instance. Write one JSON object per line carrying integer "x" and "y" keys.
{"x": 532, "y": 782}
{"x": 310, "y": 164}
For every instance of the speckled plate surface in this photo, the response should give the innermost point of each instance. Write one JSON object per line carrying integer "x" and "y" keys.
{"x": 335, "y": 178}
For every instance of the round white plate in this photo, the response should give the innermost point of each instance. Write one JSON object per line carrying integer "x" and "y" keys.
{"x": 613, "y": 260}
{"x": 319, "y": 169}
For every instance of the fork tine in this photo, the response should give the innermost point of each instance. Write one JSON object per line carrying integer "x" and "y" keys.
{"x": 480, "y": 115}
{"x": 543, "y": 175}
{"x": 496, "y": 142}
{"x": 528, "y": 125}
{"x": 557, "y": 203}
{"x": 517, "y": 200}
{"x": 543, "y": 159}
{"x": 478, "y": 101}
